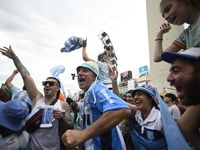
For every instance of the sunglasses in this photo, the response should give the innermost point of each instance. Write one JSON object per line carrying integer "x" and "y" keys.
{"x": 50, "y": 83}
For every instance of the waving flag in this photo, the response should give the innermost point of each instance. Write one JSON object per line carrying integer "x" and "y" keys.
{"x": 55, "y": 73}
{"x": 72, "y": 44}
{"x": 175, "y": 139}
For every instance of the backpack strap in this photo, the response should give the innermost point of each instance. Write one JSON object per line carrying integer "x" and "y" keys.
{"x": 54, "y": 101}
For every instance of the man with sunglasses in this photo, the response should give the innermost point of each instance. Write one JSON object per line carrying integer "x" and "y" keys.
{"x": 102, "y": 112}
{"x": 44, "y": 139}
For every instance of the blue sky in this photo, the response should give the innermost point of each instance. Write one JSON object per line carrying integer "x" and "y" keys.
{"x": 37, "y": 31}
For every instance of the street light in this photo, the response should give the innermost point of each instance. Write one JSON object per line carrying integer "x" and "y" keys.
{"x": 73, "y": 76}
{"x": 110, "y": 52}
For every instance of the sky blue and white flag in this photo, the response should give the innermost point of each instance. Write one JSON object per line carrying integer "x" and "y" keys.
{"x": 72, "y": 44}
{"x": 55, "y": 73}
{"x": 174, "y": 137}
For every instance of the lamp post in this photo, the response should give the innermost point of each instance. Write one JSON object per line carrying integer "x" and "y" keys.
{"x": 108, "y": 46}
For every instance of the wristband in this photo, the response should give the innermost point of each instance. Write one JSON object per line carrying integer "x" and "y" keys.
{"x": 114, "y": 83}
{"x": 158, "y": 39}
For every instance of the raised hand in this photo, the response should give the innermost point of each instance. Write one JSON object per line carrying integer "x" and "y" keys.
{"x": 15, "y": 72}
{"x": 165, "y": 27}
{"x": 7, "y": 52}
{"x": 85, "y": 43}
{"x": 113, "y": 74}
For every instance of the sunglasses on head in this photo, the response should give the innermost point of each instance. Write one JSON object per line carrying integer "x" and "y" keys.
{"x": 50, "y": 83}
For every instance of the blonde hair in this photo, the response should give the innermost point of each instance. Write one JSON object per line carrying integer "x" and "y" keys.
{"x": 103, "y": 57}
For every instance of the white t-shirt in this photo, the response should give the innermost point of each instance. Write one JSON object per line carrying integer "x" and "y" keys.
{"x": 175, "y": 112}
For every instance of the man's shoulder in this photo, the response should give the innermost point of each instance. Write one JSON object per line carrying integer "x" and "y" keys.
{"x": 62, "y": 102}
{"x": 99, "y": 86}
{"x": 101, "y": 63}
{"x": 174, "y": 106}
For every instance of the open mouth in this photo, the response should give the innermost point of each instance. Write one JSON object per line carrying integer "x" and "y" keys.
{"x": 47, "y": 90}
{"x": 178, "y": 89}
{"x": 81, "y": 80}
{"x": 138, "y": 101}
{"x": 172, "y": 20}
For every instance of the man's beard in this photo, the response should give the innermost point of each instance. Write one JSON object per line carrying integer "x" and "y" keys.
{"x": 192, "y": 91}
{"x": 47, "y": 94}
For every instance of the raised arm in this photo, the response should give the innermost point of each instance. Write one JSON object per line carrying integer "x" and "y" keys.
{"x": 107, "y": 121}
{"x": 8, "y": 82}
{"x": 113, "y": 76}
{"x": 158, "y": 49}
{"x": 84, "y": 53}
{"x": 33, "y": 93}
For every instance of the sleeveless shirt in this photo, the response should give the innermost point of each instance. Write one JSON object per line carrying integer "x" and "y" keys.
{"x": 45, "y": 139}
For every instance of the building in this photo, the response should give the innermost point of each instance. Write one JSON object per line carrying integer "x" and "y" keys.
{"x": 126, "y": 82}
{"x": 127, "y": 85}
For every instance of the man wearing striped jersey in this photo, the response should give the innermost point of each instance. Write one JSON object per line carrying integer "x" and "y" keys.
{"x": 103, "y": 111}
{"x": 17, "y": 93}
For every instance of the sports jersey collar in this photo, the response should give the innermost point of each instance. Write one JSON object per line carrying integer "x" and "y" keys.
{"x": 151, "y": 118}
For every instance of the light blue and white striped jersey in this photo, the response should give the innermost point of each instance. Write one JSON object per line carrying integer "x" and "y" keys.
{"x": 97, "y": 101}
{"x": 103, "y": 72}
{"x": 17, "y": 93}
{"x": 14, "y": 142}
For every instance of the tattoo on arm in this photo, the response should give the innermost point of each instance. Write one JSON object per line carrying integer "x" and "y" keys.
{"x": 20, "y": 67}
{"x": 67, "y": 111}
{"x": 67, "y": 119}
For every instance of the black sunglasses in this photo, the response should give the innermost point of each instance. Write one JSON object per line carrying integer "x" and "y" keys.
{"x": 51, "y": 83}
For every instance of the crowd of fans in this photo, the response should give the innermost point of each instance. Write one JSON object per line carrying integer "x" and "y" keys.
{"x": 102, "y": 118}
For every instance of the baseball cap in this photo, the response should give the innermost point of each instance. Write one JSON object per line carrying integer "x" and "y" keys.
{"x": 147, "y": 89}
{"x": 12, "y": 113}
{"x": 192, "y": 53}
{"x": 124, "y": 94}
{"x": 90, "y": 65}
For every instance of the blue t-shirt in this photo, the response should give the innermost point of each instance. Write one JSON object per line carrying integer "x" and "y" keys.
{"x": 103, "y": 72}
{"x": 76, "y": 122}
{"x": 97, "y": 101}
